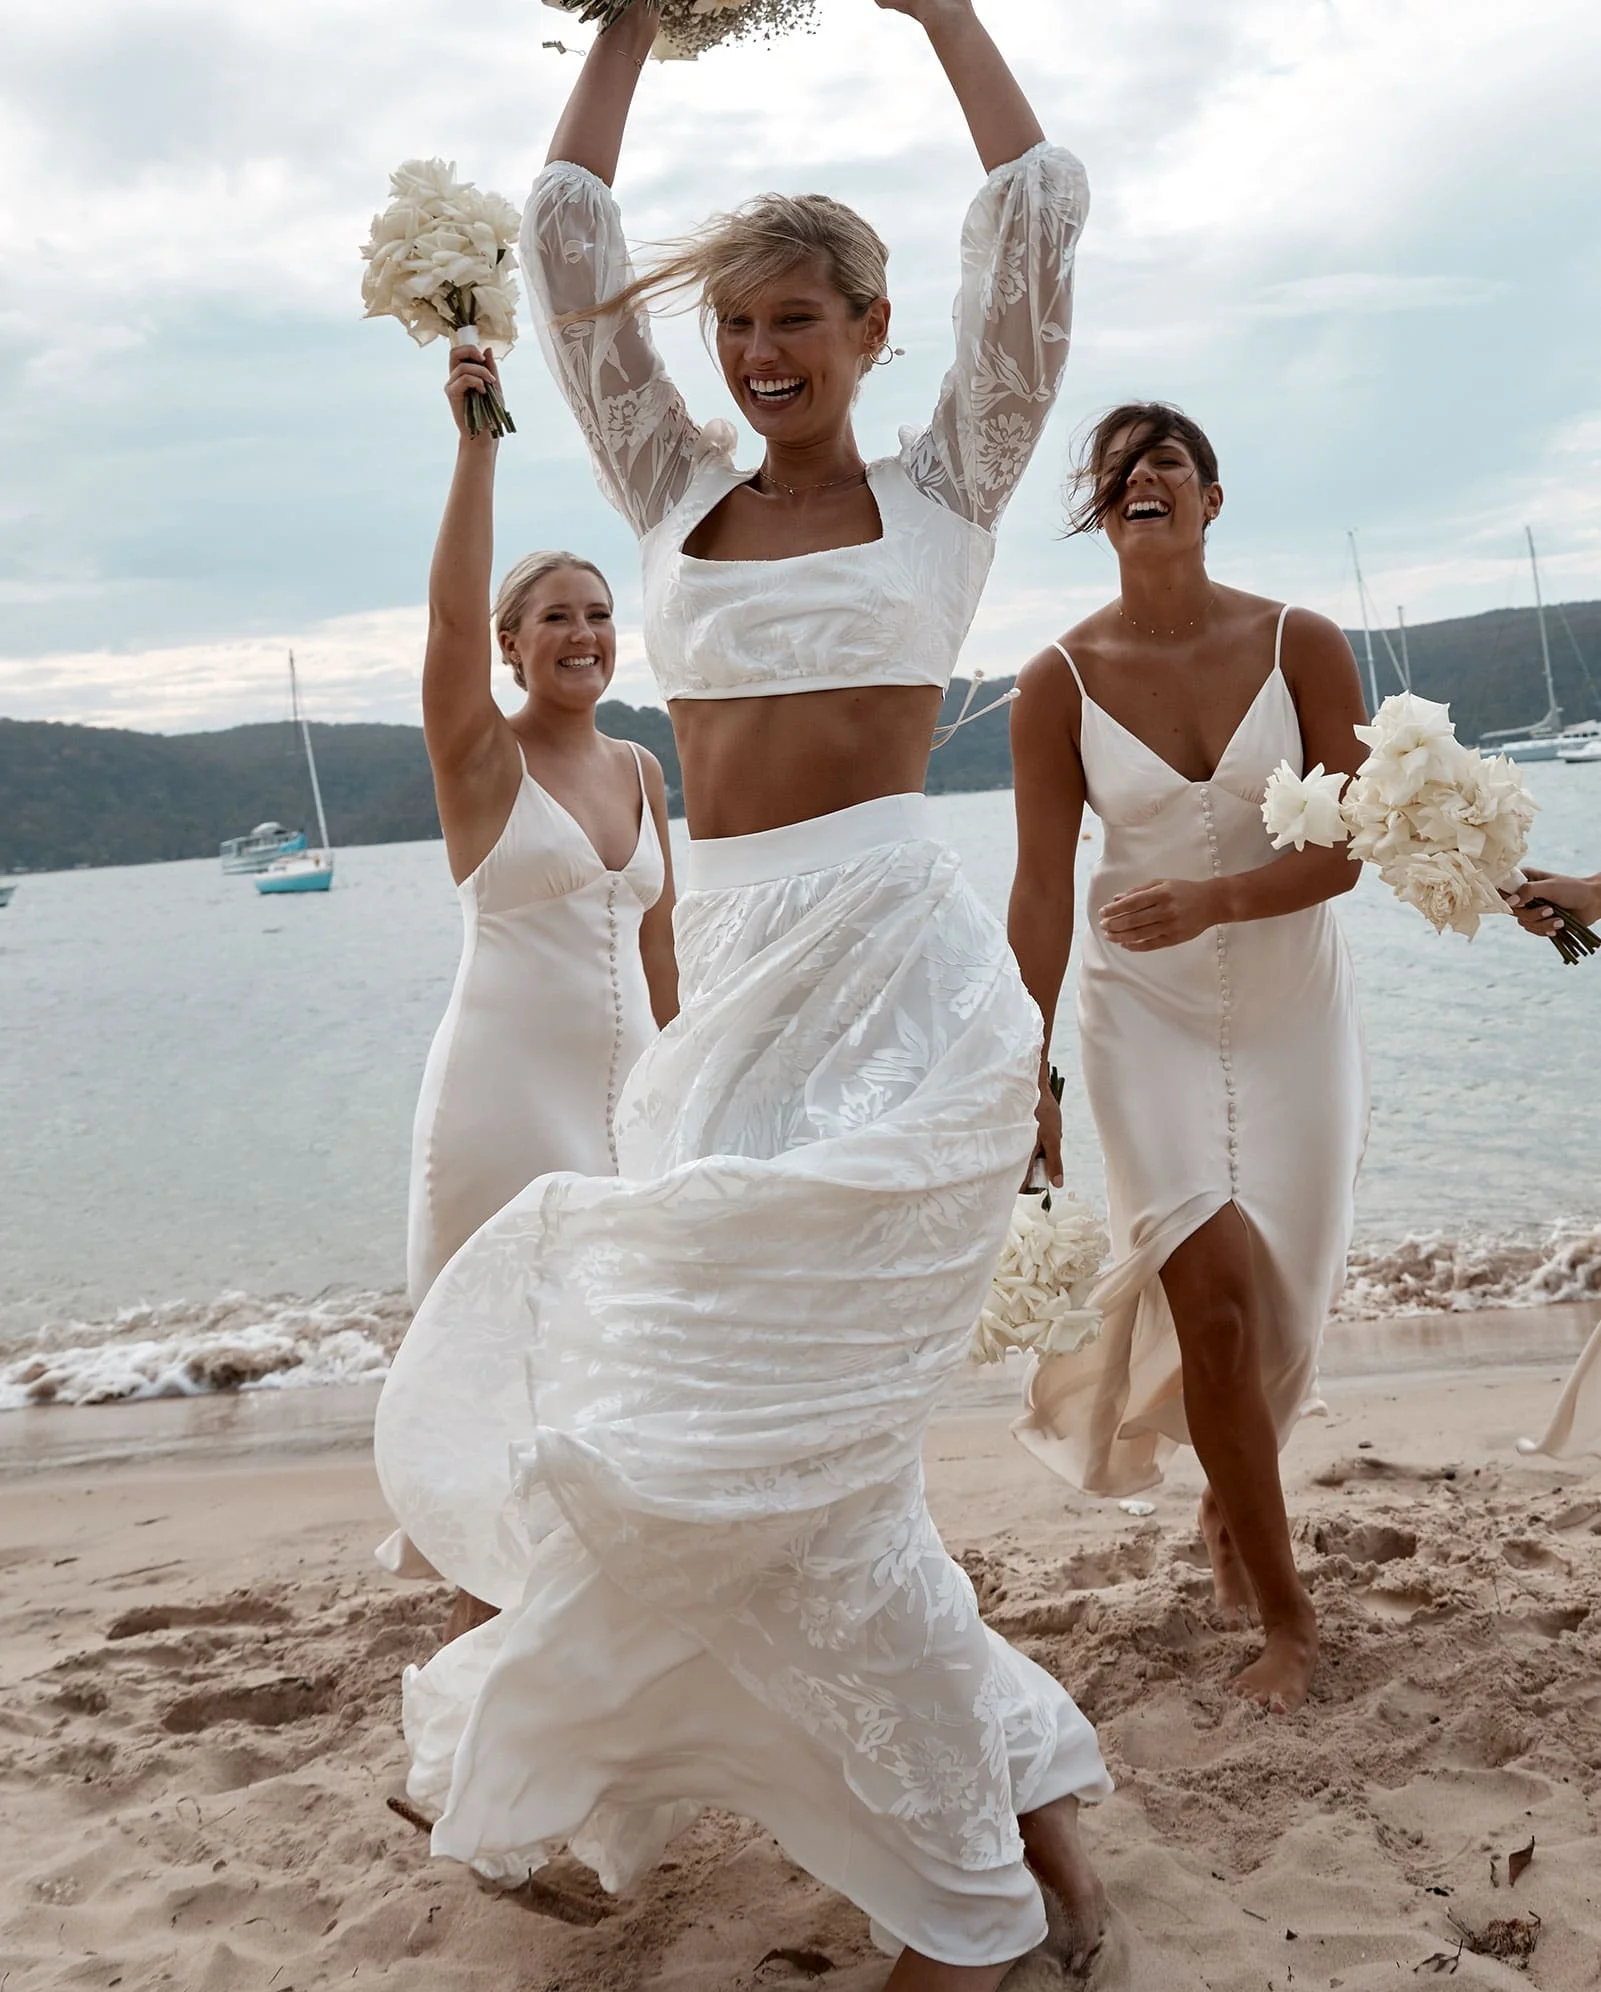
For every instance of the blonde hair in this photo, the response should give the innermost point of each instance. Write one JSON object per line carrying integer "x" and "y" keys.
{"x": 734, "y": 256}
{"x": 511, "y": 604}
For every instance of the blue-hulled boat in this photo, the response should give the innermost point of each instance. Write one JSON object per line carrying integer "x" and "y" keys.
{"x": 302, "y": 870}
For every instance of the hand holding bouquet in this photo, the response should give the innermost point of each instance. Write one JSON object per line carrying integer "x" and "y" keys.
{"x": 441, "y": 258}
{"x": 1040, "y": 1299}
{"x": 690, "y": 27}
{"x": 1446, "y": 828}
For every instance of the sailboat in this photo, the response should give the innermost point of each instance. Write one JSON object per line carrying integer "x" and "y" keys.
{"x": 1548, "y": 739}
{"x": 302, "y": 871}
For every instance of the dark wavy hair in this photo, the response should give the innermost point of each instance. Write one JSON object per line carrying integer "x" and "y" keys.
{"x": 1101, "y": 474}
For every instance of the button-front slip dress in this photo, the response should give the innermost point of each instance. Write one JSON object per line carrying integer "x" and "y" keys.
{"x": 1230, "y": 1068}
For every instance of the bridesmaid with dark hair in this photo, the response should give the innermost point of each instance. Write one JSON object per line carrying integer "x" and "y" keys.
{"x": 1222, "y": 1047}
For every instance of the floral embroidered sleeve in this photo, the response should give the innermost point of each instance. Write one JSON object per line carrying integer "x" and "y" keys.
{"x": 1013, "y": 317}
{"x": 639, "y": 432}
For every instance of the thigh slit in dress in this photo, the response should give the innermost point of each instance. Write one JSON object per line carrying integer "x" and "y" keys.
{"x": 670, "y": 1422}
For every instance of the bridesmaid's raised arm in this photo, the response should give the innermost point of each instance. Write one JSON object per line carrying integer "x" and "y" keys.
{"x": 590, "y": 130}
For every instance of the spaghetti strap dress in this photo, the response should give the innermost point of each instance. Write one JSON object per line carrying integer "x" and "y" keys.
{"x": 1228, "y": 1069}
{"x": 549, "y": 1012}
{"x": 671, "y": 1422}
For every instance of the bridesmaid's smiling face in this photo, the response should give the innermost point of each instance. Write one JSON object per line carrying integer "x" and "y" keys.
{"x": 565, "y": 646}
{"x": 794, "y": 355}
{"x": 1161, "y": 507}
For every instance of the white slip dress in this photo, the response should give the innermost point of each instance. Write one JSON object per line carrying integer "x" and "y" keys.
{"x": 549, "y": 1012}
{"x": 671, "y": 1422}
{"x": 1229, "y": 1069}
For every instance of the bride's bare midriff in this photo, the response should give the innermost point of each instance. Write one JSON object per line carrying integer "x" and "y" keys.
{"x": 758, "y": 764}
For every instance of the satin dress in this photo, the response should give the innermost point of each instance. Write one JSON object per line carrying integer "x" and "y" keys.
{"x": 549, "y": 1012}
{"x": 1229, "y": 1069}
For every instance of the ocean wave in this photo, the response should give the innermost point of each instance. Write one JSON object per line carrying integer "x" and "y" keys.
{"x": 191, "y": 1349}
{"x": 1431, "y": 1273}
{"x": 241, "y": 1342}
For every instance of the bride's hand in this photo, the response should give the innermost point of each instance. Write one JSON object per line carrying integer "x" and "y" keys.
{"x": 1049, "y": 1115}
{"x": 1160, "y": 915}
{"x": 471, "y": 368}
{"x": 927, "y": 10}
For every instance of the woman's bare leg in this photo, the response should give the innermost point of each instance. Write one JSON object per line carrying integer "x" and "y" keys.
{"x": 467, "y": 1613}
{"x": 1211, "y": 1288}
{"x": 915, "y": 1973}
{"x": 1231, "y": 1585}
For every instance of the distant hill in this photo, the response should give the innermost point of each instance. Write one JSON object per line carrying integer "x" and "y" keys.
{"x": 72, "y": 795}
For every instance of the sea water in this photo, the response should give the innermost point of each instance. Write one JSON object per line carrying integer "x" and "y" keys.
{"x": 206, "y": 1100}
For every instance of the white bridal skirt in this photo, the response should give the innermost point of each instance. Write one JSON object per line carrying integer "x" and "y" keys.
{"x": 671, "y": 1422}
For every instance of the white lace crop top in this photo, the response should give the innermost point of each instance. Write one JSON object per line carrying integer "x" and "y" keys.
{"x": 897, "y": 610}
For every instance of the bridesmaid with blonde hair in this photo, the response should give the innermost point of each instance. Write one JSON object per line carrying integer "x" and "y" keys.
{"x": 556, "y": 837}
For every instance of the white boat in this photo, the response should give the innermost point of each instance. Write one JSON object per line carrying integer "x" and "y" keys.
{"x": 302, "y": 870}
{"x": 1548, "y": 739}
{"x": 1588, "y": 752}
{"x": 264, "y": 846}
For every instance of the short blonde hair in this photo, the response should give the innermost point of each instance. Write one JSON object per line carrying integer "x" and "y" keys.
{"x": 511, "y": 603}
{"x": 734, "y": 256}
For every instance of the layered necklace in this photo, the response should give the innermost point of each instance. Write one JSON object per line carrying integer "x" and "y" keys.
{"x": 856, "y": 476}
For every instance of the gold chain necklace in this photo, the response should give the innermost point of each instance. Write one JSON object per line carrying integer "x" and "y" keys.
{"x": 859, "y": 475}
{"x": 1172, "y": 635}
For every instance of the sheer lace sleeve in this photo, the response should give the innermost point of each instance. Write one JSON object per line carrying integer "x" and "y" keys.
{"x": 1012, "y": 321}
{"x": 639, "y": 432}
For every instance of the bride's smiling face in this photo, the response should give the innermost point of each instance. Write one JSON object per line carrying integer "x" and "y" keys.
{"x": 794, "y": 354}
{"x": 1161, "y": 507}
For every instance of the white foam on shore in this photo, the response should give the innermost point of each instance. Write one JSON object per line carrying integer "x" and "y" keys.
{"x": 185, "y": 1349}
{"x": 240, "y": 1342}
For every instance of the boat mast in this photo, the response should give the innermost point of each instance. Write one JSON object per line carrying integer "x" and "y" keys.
{"x": 1406, "y": 660}
{"x": 1367, "y": 634}
{"x": 311, "y": 760}
{"x": 1553, "y": 712}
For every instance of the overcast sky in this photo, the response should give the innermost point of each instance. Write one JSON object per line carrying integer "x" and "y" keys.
{"x": 1360, "y": 240}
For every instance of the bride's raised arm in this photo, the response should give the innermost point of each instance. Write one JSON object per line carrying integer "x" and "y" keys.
{"x": 1015, "y": 309}
{"x": 575, "y": 258}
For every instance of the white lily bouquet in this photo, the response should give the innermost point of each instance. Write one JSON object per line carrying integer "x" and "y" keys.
{"x": 1040, "y": 1299}
{"x": 690, "y": 27}
{"x": 441, "y": 259}
{"x": 1446, "y": 827}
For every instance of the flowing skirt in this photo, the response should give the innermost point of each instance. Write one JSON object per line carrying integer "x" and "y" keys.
{"x": 671, "y": 1422}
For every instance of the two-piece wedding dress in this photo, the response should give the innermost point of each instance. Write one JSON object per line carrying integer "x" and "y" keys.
{"x": 672, "y": 1422}
{"x": 1229, "y": 1069}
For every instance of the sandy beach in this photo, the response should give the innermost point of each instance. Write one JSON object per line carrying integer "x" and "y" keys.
{"x": 199, "y": 1696}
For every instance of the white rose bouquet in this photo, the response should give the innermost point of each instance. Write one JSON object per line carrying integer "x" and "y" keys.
{"x": 690, "y": 27}
{"x": 1041, "y": 1297}
{"x": 1446, "y": 828}
{"x": 441, "y": 259}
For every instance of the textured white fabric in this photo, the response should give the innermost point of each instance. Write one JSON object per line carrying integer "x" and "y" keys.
{"x": 672, "y": 1423}
{"x": 1575, "y": 1425}
{"x": 1230, "y": 1068}
{"x": 549, "y": 1011}
{"x": 895, "y": 611}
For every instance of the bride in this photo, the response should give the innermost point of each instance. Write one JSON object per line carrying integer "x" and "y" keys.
{"x": 718, "y": 1579}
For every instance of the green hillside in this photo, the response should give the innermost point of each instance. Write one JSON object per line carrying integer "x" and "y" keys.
{"x": 72, "y": 795}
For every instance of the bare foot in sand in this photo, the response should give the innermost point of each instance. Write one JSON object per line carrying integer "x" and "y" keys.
{"x": 1280, "y": 1677}
{"x": 466, "y": 1614}
{"x": 1231, "y": 1587}
{"x": 916, "y": 1973}
{"x": 1056, "y": 1854}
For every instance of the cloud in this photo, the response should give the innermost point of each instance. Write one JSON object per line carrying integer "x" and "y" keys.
{"x": 1357, "y": 238}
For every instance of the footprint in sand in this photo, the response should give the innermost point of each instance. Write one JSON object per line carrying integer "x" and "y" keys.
{"x": 266, "y": 1704}
{"x": 243, "y": 1608}
{"x": 1364, "y": 1542}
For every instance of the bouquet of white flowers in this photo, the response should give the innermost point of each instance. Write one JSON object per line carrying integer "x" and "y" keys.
{"x": 1040, "y": 1299}
{"x": 1446, "y": 828}
{"x": 690, "y": 27}
{"x": 441, "y": 259}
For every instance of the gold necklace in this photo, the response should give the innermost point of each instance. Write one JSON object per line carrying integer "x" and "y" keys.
{"x": 1171, "y": 635}
{"x": 859, "y": 475}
